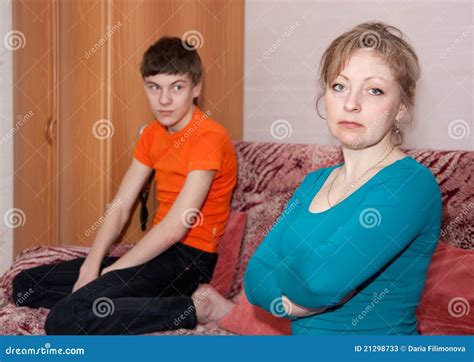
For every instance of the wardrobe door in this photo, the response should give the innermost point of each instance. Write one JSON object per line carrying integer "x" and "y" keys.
{"x": 34, "y": 129}
{"x": 86, "y": 130}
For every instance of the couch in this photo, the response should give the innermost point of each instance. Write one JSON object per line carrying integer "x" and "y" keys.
{"x": 268, "y": 174}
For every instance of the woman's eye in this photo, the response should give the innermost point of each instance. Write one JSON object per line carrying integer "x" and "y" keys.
{"x": 376, "y": 91}
{"x": 338, "y": 87}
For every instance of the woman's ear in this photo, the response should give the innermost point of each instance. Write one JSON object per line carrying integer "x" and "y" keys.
{"x": 402, "y": 112}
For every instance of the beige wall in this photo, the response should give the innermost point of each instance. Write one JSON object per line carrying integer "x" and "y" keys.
{"x": 284, "y": 41}
{"x": 6, "y": 145}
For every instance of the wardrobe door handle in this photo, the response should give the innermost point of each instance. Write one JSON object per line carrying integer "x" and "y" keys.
{"x": 49, "y": 131}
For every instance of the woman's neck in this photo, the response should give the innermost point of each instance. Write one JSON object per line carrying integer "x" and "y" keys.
{"x": 357, "y": 161}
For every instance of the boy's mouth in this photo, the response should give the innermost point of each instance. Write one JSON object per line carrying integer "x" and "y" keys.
{"x": 165, "y": 113}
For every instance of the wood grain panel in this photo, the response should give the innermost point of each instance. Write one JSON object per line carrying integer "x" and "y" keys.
{"x": 35, "y": 159}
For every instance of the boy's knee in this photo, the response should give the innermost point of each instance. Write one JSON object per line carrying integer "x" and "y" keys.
{"x": 62, "y": 319}
{"x": 20, "y": 284}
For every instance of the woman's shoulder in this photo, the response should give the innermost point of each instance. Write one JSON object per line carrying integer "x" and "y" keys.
{"x": 409, "y": 176}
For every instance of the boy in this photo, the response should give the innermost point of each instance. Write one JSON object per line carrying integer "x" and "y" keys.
{"x": 149, "y": 288}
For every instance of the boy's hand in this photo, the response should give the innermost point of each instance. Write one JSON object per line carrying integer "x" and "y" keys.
{"x": 87, "y": 274}
{"x": 106, "y": 270}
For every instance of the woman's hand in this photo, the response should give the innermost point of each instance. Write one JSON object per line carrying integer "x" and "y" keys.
{"x": 296, "y": 310}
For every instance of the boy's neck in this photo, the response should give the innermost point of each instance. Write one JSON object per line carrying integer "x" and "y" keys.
{"x": 183, "y": 122}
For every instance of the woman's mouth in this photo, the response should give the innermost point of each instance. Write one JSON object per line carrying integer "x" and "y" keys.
{"x": 350, "y": 124}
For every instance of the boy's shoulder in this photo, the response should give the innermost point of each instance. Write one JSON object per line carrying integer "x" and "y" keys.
{"x": 205, "y": 124}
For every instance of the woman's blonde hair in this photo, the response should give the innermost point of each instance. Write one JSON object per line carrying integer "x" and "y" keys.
{"x": 388, "y": 41}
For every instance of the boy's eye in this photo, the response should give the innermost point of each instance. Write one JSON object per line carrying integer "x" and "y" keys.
{"x": 153, "y": 87}
{"x": 177, "y": 87}
{"x": 376, "y": 91}
{"x": 338, "y": 87}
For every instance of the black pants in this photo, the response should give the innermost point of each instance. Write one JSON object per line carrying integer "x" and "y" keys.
{"x": 155, "y": 296}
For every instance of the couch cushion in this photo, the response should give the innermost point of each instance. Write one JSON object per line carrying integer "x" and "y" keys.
{"x": 247, "y": 319}
{"x": 229, "y": 250}
{"x": 447, "y": 303}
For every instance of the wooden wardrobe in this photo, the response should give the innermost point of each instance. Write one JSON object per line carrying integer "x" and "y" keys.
{"x": 77, "y": 76}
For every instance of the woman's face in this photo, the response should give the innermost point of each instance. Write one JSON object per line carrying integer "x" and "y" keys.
{"x": 363, "y": 101}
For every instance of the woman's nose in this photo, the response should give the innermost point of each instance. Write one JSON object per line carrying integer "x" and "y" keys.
{"x": 352, "y": 103}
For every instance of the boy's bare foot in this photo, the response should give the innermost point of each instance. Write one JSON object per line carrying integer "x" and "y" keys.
{"x": 210, "y": 305}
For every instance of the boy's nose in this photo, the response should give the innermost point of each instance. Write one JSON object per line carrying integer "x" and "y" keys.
{"x": 165, "y": 98}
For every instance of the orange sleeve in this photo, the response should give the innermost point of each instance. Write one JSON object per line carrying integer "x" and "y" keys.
{"x": 207, "y": 151}
{"x": 142, "y": 149}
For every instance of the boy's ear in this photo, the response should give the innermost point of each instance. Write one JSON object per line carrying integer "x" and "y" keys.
{"x": 197, "y": 89}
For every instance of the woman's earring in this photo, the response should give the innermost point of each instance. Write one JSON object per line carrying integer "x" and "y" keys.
{"x": 398, "y": 133}
{"x": 397, "y": 129}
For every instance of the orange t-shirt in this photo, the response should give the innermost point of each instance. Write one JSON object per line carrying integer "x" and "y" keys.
{"x": 203, "y": 144}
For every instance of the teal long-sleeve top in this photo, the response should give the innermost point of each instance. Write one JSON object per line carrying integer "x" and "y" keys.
{"x": 377, "y": 242}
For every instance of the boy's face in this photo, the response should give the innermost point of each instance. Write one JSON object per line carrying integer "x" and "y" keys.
{"x": 171, "y": 99}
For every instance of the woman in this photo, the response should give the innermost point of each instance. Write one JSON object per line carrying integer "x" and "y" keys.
{"x": 351, "y": 255}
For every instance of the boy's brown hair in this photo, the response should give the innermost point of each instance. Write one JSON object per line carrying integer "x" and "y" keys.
{"x": 172, "y": 55}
